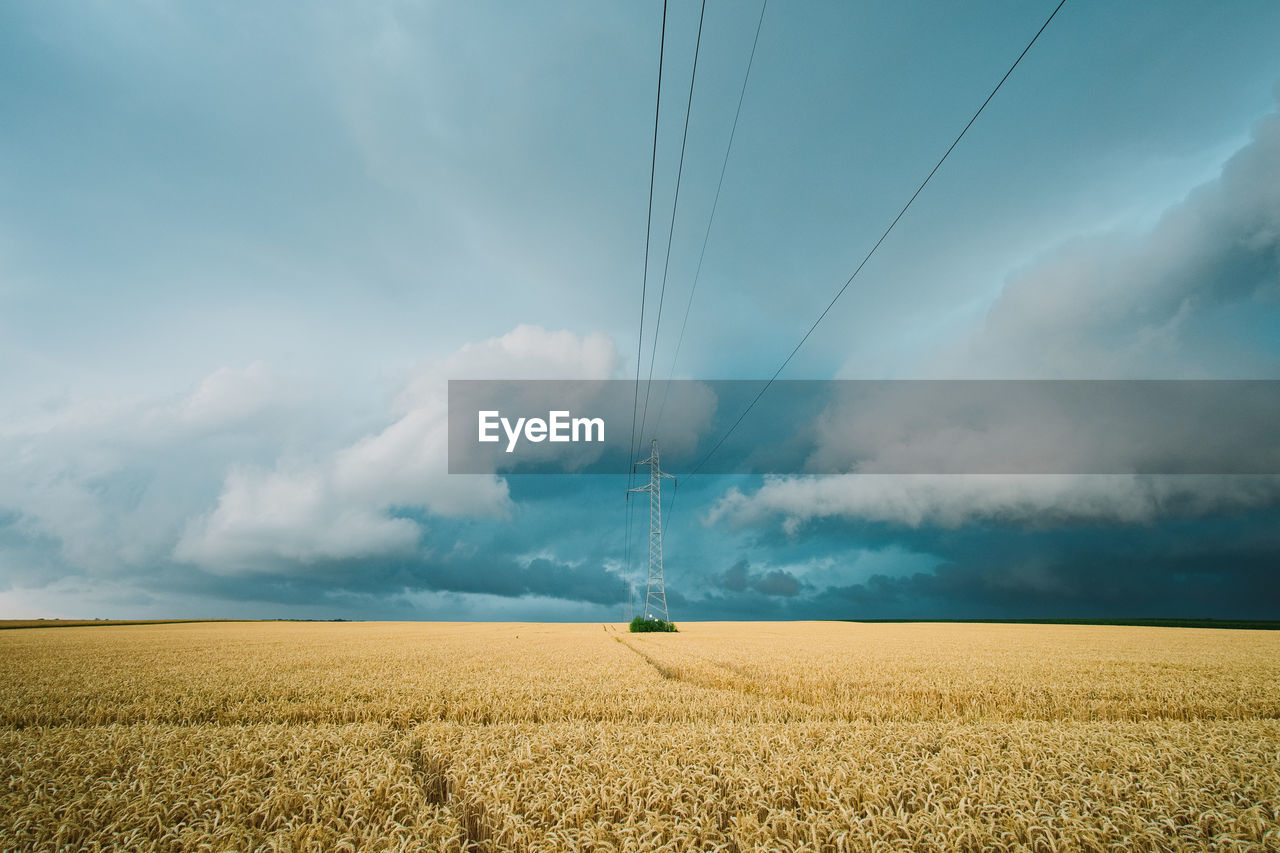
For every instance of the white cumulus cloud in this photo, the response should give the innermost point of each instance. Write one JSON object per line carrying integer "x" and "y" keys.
{"x": 917, "y": 500}
{"x": 347, "y": 504}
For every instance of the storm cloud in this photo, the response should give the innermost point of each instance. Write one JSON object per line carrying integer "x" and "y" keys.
{"x": 1150, "y": 305}
{"x": 775, "y": 582}
{"x": 243, "y": 249}
{"x": 1111, "y": 306}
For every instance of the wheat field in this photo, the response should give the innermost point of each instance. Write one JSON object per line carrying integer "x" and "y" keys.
{"x": 726, "y": 736}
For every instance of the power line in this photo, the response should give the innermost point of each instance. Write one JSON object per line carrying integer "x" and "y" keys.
{"x": 644, "y": 285}
{"x": 895, "y": 221}
{"x": 648, "y": 230}
{"x": 626, "y": 548}
{"x": 693, "y": 79}
{"x": 714, "y": 205}
{"x": 671, "y": 508}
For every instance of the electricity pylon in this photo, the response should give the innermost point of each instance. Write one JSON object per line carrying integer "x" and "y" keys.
{"x": 655, "y": 596}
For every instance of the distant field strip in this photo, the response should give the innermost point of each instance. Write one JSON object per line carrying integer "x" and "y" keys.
{"x": 765, "y": 736}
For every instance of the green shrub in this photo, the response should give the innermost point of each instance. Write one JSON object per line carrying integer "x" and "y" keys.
{"x": 640, "y": 625}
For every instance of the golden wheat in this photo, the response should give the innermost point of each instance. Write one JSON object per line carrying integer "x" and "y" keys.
{"x": 797, "y": 736}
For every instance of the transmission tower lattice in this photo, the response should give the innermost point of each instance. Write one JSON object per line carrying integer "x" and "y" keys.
{"x": 655, "y": 597}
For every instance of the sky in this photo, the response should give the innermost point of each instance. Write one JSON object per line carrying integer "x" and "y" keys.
{"x": 244, "y": 246}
